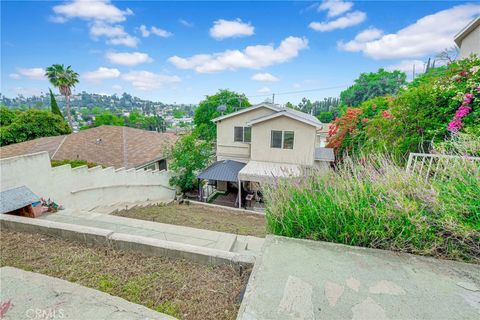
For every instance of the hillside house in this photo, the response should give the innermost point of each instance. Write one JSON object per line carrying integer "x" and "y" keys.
{"x": 108, "y": 146}
{"x": 260, "y": 144}
{"x": 468, "y": 39}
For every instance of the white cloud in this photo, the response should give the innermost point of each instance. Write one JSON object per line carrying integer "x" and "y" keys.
{"x": 154, "y": 30}
{"x": 360, "y": 40}
{"x": 144, "y": 31}
{"x": 185, "y": 23}
{"x": 349, "y": 20}
{"x": 160, "y": 32}
{"x": 252, "y": 57}
{"x": 427, "y": 35}
{"x": 101, "y": 73}
{"x": 117, "y": 87}
{"x": 264, "y": 77}
{"x": 26, "y": 91}
{"x": 297, "y": 85}
{"x": 15, "y": 76}
{"x": 145, "y": 80}
{"x": 98, "y": 10}
{"x": 264, "y": 90}
{"x": 127, "y": 41}
{"x": 335, "y": 7}
{"x": 128, "y": 58}
{"x": 32, "y": 73}
{"x": 110, "y": 31}
{"x": 231, "y": 28}
{"x": 407, "y": 66}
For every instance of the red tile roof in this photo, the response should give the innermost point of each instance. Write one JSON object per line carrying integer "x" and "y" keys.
{"x": 105, "y": 145}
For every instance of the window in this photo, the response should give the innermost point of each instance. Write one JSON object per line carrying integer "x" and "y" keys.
{"x": 276, "y": 139}
{"x": 247, "y": 134}
{"x": 238, "y": 134}
{"x": 288, "y": 137}
{"x": 282, "y": 139}
{"x": 242, "y": 134}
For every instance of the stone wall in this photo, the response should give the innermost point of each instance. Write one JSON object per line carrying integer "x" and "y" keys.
{"x": 81, "y": 187}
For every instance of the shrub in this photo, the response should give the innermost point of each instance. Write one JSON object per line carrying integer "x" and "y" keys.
{"x": 375, "y": 203}
{"x": 325, "y": 117}
{"x": 73, "y": 163}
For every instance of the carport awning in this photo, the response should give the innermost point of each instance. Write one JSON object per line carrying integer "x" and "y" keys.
{"x": 269, "y": 172}
{"x": 225, "y": 170}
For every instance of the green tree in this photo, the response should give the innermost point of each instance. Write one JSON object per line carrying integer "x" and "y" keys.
{"x": 371, "y": 85}
{"x": 177, "y": 113}
{"x": 207, "y": 110}
{"x": 108, "y": 118}
{"x": 7, "y": 116}
{"x": 64, "y": 79}
{"x": 33, "y": 124}
{"x": 325, "y": 117}
{"x": 53, "y": 105}
{"x": 189, "y": 155}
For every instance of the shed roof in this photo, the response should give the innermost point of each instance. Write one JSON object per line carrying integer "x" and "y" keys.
{"x": 16, "y": 198}
{"x": 224, "y": 170}
{"x": 324, "y": 154}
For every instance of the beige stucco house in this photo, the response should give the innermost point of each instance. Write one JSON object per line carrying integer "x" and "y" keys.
{"x": 468, "y": 39}
{"x": 261, "y": 143}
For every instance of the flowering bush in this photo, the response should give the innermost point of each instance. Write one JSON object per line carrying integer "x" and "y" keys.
{"x": 431, "y": 108}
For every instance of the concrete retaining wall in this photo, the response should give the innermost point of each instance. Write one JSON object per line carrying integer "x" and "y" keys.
{"x": 83, "y": 188}
{"x": 120, "y": 241}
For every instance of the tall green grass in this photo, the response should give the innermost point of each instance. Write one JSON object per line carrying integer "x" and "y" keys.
{"x": 375, "y": 203}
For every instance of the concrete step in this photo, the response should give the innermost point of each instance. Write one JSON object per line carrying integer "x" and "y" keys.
{"x": 195, "y": 237}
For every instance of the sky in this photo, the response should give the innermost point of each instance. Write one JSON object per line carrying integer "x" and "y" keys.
{"x": 182, "y": 51}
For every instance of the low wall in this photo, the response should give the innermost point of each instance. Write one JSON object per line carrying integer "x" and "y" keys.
{"x": 81, "y": 187}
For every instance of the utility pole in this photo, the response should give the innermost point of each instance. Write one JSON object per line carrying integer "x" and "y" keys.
{"x": 273, "y": 98}
{"x": 413, "y": 76}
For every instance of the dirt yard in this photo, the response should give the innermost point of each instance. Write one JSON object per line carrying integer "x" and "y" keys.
{"x": 201, "y": 217}
{"x": 177, "y": 287}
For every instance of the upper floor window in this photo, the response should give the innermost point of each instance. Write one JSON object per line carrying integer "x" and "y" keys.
{"x": 242, "y": 134}
{"x": 282, "y": 139}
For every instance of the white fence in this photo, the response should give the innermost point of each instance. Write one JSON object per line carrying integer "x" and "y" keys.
{"x": 81, "y": 187}
{"x": 429, "y": 165}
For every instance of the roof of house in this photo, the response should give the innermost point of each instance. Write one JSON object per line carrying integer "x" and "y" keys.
{"x": 475, "y": 23}
{"x": 16, "y": 198}
{"x": 279, "y": 111}
{"x": 114, "y": 146}
{"x": 224, "y": 170}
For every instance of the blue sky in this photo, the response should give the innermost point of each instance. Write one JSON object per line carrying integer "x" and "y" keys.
{"x": 182, "y": 51}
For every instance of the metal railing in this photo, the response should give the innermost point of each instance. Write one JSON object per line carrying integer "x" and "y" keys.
{"x": 429, "y": 164}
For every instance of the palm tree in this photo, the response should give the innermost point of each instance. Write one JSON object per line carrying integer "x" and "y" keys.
{"x": 64, "y": 79}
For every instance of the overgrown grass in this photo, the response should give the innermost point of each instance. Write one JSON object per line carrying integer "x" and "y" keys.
{"x": 72, "y": 163}
{"x": 375, "y": 203}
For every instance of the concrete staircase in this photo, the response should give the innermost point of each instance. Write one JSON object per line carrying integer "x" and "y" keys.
{"x": 154, "y": 231}
{"x": 125, "y": 205}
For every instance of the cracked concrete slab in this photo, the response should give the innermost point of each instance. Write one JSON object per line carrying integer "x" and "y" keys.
{"x": 294, "y": 278}
{"x": 29, "y": 295}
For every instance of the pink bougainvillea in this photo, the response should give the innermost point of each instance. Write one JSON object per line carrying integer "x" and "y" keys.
{"x": 462, "y": 111}
{"x": 386, "y": 114}
{"x": 364, "y": 120}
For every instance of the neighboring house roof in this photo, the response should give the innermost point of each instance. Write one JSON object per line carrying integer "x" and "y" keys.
{"x": 279, "y": 111}
{"x": 114, "y": 146}
{"x": 324, "y": 154}
{"x": 224, "y": 170}
{"x": 475, "y": 23}
{"x": 16, "y": 198}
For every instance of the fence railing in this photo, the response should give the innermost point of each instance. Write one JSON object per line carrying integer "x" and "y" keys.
{"x": 429, "y": 164}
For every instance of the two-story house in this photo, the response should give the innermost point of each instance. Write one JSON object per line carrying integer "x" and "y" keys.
{"x": 262, "y": 143}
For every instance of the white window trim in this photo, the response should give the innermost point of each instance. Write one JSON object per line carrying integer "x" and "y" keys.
{"x": 283, "y": 139}
{"x": 243, "y": 134}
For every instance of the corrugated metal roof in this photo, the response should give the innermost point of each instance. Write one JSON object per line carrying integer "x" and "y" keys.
{"x": 225, "y": 170}
{"x": 324, "y": 154}
{"x": 16, "y": 198}
{"x": 269, "y": 172}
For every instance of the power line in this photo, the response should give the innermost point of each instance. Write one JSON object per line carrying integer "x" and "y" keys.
{"x": 298, "y": 91}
